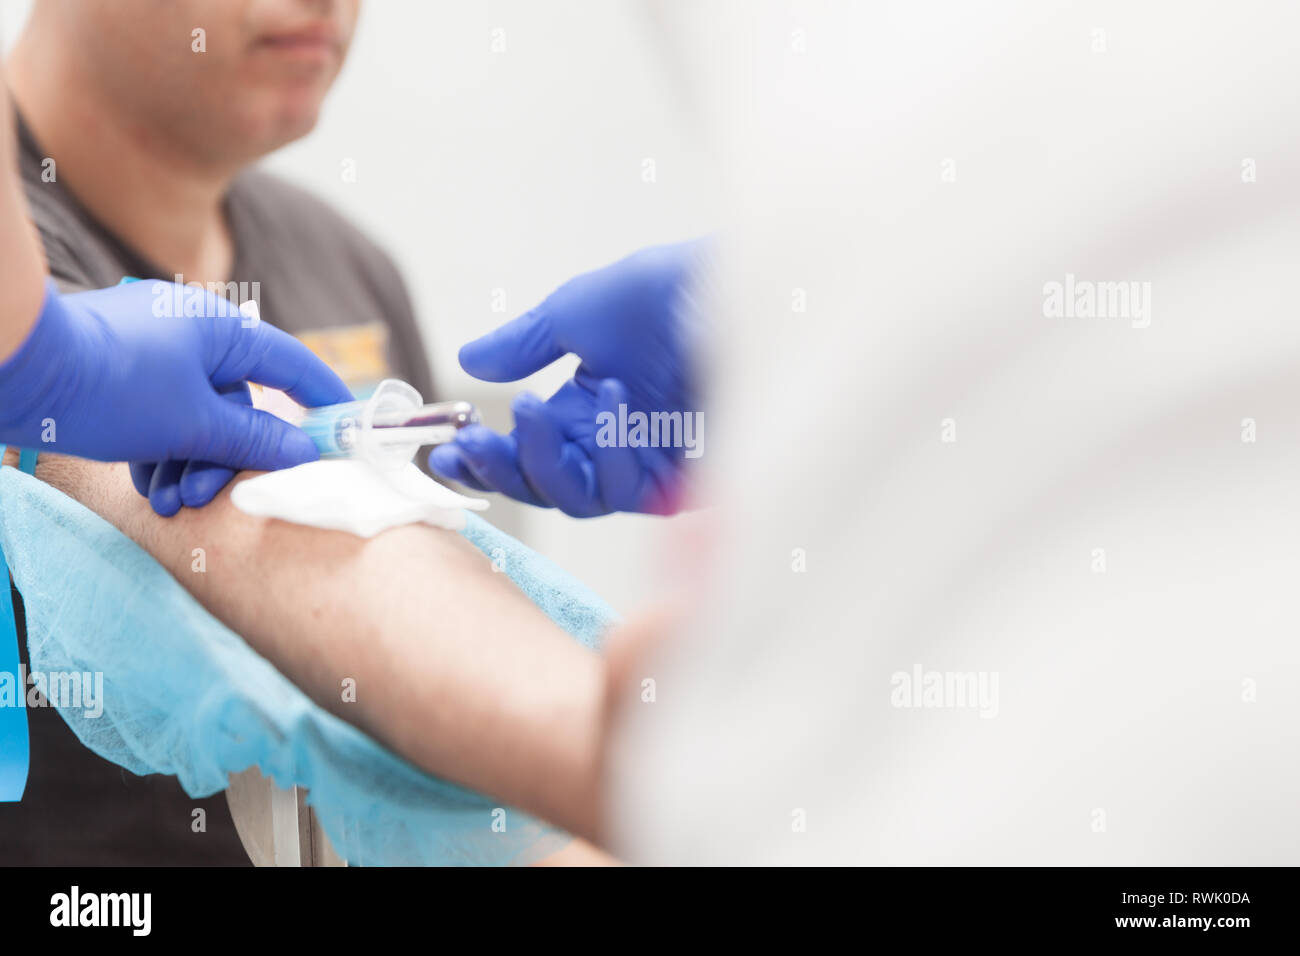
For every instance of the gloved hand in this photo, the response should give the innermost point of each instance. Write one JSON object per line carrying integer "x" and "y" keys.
{"x": 629, "y": 325}
{"x": 115, "y": 375}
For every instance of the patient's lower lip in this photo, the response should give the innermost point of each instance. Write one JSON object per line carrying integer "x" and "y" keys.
{"x": 307, "y": 45}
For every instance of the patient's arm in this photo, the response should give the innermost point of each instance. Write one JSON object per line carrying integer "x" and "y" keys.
{"x": 454, "y": 667}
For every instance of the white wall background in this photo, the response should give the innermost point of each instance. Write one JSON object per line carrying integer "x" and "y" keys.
{"x": 482, "y": 170}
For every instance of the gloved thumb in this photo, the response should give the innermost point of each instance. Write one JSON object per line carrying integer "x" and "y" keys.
{"x": 248, "y": 438}
{"x": 515, "y": 350}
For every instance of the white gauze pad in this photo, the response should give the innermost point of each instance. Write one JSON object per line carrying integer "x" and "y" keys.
{"x": 354, "y": 496}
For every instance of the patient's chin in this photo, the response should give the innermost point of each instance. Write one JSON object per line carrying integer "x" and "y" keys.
{"x": 277, "y": 118}
{"x": 295, "y": 120}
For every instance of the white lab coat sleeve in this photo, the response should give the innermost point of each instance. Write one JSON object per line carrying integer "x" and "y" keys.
{"x": 1006, "y": 437}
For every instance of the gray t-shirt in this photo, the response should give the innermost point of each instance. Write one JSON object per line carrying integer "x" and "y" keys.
{"x": 317, "y": 277}
{"x": 314, "y": 273}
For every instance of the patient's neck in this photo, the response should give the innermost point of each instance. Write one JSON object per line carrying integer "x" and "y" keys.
{"x": 134, "y": 179}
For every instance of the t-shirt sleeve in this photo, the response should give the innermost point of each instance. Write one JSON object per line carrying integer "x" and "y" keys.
{"x": 406, "y": 352}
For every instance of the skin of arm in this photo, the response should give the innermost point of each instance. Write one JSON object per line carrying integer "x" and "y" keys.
{"x": 455, "y": 668}
{"x": 22, "y": 266}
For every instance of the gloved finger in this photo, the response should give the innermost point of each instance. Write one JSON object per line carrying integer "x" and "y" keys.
{"x": 494, "y": 460}
{"x": 447, "y": 461}
{"x": 239, "y": 437}
{"x": 516, "y": 349}
{"x": 164, "y": 488}
{"x": 664, "y": 489}
{"x": 556, "y": 469}
{"x": 142, "y": 474}
{"x": 268, "y": 356}
{"x": 620, "y": 477}
{"x": 236, "y": 392}
{"x": 201, "y": 481}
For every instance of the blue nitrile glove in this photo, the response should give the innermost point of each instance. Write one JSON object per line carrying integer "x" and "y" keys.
{"x": 629, "y": 325}
{"x": 117, "y": 375}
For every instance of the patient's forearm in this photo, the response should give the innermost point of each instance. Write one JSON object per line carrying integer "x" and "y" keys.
{"x": 453, "y": 667}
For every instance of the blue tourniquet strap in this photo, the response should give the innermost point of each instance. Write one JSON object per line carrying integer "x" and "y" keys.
{"x": 14, "y": 749}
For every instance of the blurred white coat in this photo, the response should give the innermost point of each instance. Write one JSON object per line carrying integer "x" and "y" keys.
{"x": 952, "y": 469}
